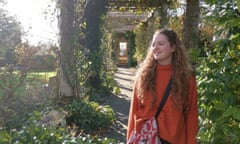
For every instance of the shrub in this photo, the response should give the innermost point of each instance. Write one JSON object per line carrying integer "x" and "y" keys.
{"x": 218, "y": 81}
{"x": 34, "y": 132}
{"x": 89, "y": 116}
{"x": 41, "y": 134}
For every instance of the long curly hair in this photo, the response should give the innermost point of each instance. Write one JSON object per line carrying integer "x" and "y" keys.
{"x": 181, "y": 71}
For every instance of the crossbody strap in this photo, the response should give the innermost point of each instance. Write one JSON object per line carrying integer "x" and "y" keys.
{"x": 164, "y": 99}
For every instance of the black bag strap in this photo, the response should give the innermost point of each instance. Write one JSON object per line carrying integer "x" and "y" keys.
{"x": 164, "y": 99}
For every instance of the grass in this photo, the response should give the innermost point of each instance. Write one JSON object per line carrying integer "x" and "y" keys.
{"x": 42, "y": 76}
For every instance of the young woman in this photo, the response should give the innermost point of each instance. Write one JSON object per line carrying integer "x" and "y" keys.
{"x": 167, "y": 58}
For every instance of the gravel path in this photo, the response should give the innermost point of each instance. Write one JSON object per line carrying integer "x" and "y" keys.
{"x": 121, "y": 102}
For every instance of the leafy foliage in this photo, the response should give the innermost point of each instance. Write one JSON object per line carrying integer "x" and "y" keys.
{"x": 219, "y": 80}
{"x": 27, "y": 129}
{"x": 41, "y": 134}
{"x": 33, "y": 132}
{"x": 11, "y": 83}
{"x": 130, "y": 36}
{"x": 10, "y": 35}
{"x": 89, "y": 116}
{"x": 93, "y": 41}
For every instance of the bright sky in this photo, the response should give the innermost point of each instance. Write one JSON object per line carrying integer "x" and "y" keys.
{"x": 37, "y": 26}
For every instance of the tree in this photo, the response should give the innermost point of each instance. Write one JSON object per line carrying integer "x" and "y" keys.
{"x": 66, "y": 73}
{"x": 191, "y": 21}
{"x": 10, "y": 36}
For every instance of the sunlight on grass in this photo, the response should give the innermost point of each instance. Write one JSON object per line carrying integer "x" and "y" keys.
{"x": 42, "y": 76}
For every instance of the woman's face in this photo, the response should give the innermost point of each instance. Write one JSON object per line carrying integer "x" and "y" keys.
{"x": 161, "y": 49}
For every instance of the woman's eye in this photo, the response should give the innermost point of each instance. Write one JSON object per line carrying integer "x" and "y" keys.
{"x": 160, "y": 43}
{"x": 157, "y": 44}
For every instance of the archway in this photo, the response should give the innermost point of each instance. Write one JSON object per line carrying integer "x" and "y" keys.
{"x": 122, "y": 53}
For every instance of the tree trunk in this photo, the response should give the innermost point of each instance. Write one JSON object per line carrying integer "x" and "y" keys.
{"x": 191, "y": 21}
{"x": 66, "y": 71}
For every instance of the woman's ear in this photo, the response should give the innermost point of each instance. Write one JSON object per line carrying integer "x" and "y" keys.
{"x": 173, "y": 48}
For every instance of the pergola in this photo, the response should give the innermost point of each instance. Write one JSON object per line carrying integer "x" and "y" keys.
{"x": 120, "y": 22}
{"x": 124, "y": 15}
{"x": 124, "y": 21}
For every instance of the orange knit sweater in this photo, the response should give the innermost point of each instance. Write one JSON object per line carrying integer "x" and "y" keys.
{"x": 174, "y": 126}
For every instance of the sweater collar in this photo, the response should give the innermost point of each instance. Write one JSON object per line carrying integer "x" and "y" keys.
{"x": 164, "y": 67}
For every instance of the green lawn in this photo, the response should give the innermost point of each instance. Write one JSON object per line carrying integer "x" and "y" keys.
{"x": 42, "y": 76}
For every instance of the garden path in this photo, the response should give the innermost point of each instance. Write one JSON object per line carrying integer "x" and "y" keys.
{"x": 121, "y": 102}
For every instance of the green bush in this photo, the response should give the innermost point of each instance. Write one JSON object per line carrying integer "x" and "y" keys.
{"x": 40, "y": 134}
{"x": 32, "y": 132}
{"x": 10, "y": 83}
{"x": 219, "y": 94}
{"x": 219, "y": 98}
{"x": 218, "y": 81}
{"x": 89, "y": 116}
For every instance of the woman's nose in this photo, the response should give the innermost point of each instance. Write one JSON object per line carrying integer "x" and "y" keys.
{"x": 154, "y": 47}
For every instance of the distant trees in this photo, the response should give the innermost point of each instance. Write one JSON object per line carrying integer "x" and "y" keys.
{"x": 10, "y": 36}
{"x": 35, "y": 58}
